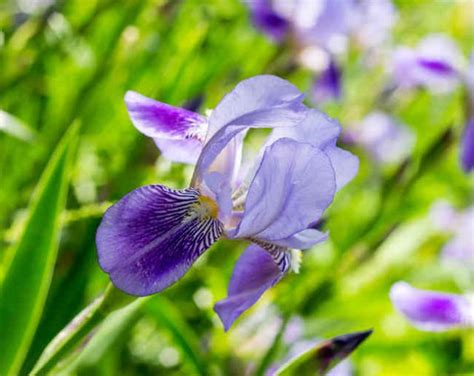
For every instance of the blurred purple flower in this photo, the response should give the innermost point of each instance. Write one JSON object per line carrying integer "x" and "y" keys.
{"x": 383, "y": 137}
{"x": 373, "y": 21}
{"x": 433, "y": 64}
{"x": 467, "y": 146}
{"x": 327, "y": 87}
{"x": 431, "y": 310}
{"x": 266, "y": 19}
{"x": 460, "y": 248}
{"x": 325, "y": 23}
{"x": 151, "y": 237}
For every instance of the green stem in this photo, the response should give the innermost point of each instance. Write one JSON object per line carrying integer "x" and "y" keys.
{"x": 83, "y": 324}
{"x": 270, "y": 354}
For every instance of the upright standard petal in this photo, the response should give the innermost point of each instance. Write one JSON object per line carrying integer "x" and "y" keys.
{"x": 258, "y": 102}
{"x": 150, "y": 238}
{"x": 322, "y": 132}
{"x": 254, "y": 273}
{"x": 431, "y": 310}
{"x": 294, "y": 184}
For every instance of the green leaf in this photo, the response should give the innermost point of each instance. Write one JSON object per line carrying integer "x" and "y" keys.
{"x": 324, "y": 356}
{"x": 169, "y": 318}
{"x": 15, "y": 127}
{"x": 110, "y": 331}
{"x": 27, "y": 279}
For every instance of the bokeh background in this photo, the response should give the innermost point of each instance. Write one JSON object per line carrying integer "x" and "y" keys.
{"x": 71, "y": 62}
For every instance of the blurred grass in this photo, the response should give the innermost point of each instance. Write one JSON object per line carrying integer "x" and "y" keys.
{"x": 75, "y": 61}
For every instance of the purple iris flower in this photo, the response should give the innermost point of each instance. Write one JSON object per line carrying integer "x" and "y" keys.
{"x": 266, "y": 19}
{"x": 387, "y": 140}
{"x": 431, "y": 310}
{"x": 372, "y": 22}
{"x": 151, "y": 237}
{"x": 433, "y": 64}
{"x": 459, "y": 250}
{"x": 327, "y": 87}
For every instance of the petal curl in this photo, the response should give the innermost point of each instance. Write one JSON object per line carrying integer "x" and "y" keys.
{"x": 294, "y": 184}
{"x": 258, "y": 102}
{"x": 150, "y": 238}
{"x": 302, "y": 240}
{"x": 156, "y": 119}
{"x": 322, "y": 132}
{"x": 430, "y": 310}
{"x": 254, "y": 273}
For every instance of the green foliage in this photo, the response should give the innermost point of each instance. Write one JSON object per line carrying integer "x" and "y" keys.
{"x": 75, "y": 61}
{"x": 28, "y": 276}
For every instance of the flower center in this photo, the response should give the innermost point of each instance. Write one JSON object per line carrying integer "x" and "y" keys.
{"x": 207, "y": 207}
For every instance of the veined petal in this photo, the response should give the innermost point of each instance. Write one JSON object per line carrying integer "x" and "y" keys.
{"x": 322, "y": 132}
{"x": 302, "y": 240}
{"x": 160, "y": 120}
{"x": 258, "y": 102}
{"x": 294, "y": 184}
{"x": 254, "y": 273}
{"x": 150, "y": 238}
{"x": 431, "y": 310}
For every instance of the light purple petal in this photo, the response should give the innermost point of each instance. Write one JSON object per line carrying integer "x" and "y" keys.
{"x": 267, "y": 20}
{"x": 319, "y": 22}
{"x": 293, "y": 186}
{"x": 327, "y": 87}
{"x": 180, "y": 151}
{"x": 302, "y": 240}
{"x": 150, "y": 238}
{"x": 431, "y": 310}
{"x": 254, "y": 273}
{"x": 321, "y": 131}
{"x": 467, "y": 146}
{"x": 460, "y": 249}
{"x": 220, "y": 190}
{"x": 258, "y": 102}
{"x": 373, "y": 21}
{"x": 160, "y": 120}
{"x": 432, "y": 64}
{"x": 387, "y": 140}
{"x": 229, "y": 160}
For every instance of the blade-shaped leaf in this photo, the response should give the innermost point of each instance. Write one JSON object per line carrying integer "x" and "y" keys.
{"x": 169, "y": 318}
{"x": 15, "y": 127}
{"x": 28, "y": 276}
{"x": 112, "y": 329}
{"x": 324, "y": 356}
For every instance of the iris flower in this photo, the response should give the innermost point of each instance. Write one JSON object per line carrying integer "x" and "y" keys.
{"x": 319, "y": 31}
{"x": 150, "y": 238}
{"x": 432, "y": 310}
{"x": 386, "y": 139}
{"x": 433, "y": 64}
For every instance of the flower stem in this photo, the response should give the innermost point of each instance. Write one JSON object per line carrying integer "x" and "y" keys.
{"x": 82, "y": 325}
